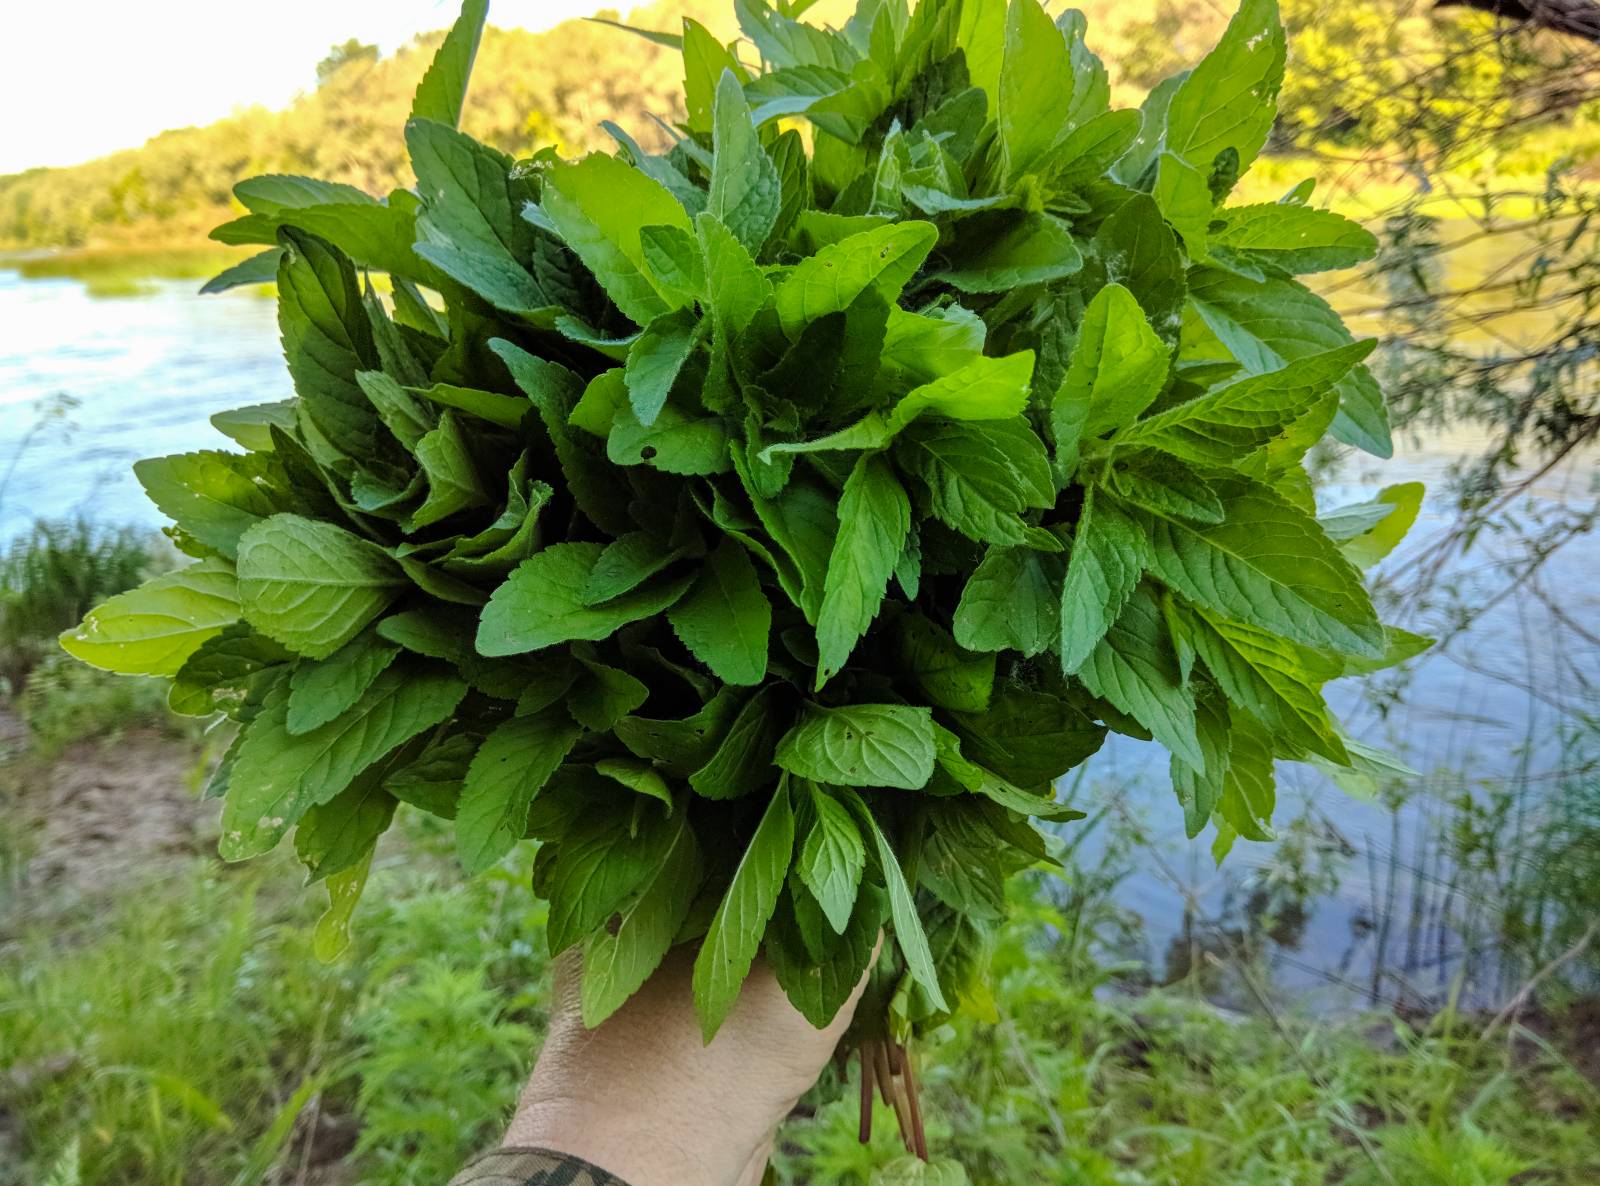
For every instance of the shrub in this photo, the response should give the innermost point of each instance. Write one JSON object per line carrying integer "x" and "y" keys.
{"x": 764, "y": 526}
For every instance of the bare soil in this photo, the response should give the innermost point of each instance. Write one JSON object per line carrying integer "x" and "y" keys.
{"x": 103, "y": 817}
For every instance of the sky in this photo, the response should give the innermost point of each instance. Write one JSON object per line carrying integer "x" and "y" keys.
{"x": 81, "y": 78}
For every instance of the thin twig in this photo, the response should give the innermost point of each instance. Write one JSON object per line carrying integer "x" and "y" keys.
{"x": 1520, "y": 998}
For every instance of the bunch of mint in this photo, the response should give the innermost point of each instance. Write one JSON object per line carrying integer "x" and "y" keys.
{"x": 763, "y": 526}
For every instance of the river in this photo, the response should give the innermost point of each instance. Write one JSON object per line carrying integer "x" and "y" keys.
{"x": 145, "y": 361}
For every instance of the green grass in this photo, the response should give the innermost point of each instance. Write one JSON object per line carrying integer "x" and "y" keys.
{"x": 51, "y": 575}
{"x": 188, "y": 1036}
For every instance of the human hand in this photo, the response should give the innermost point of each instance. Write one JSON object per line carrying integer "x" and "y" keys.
{"x": 642, "y": 1096}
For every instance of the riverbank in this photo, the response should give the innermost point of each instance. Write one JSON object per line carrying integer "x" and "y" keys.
{"x": 169, "y": 1022}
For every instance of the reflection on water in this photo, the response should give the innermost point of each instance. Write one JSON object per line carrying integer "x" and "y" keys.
{"x": 145, "y": 372}
{"x": 148, "y": 369}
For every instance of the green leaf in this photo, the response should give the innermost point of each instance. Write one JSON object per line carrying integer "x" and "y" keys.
{"x": 1394, "y": 511}
{"x": 1249, "y": 788}
{"x": 278, "y": 775}
{"x": 908, "y": 932}
{"x": 617, "y": 962}
{"x": 311, "y": 585}
{"x": 725, "y": 618}
{"x": 1010, "y": 603}
{"x": 443, "y": 89}
{"x": 1185, "y": 201}
{"x": 1199, "y": 788}
{"x": 654, "y": 360}
{"x": 1109, "y": 555}
{"x": 1029, "y": 738}
{"x": 319, "y": 692}
{"x": 453, "y": 482}
{"x": 1137, "y": 249}
{"x": 1134, "y": 668}
{"x": 596, "y": 869}
{"x": 152, "y": 630}
{"x": 1117, "y": 369}
{"x": 734, "y": 937}
{"x": 947, "y": 674}
{"x": 745, "y": 190}
{"x": 213, "y": 496}
{"x": 336, "y": 835}
{"x": 676, "y": 443}
{"x": 1036, "y": 83}
{"x": 261, "y": 268}
{"x": 332, "y": 933}
{"x": 600, "y": 205}
{"x": 1230, "y": 99}
{"x": 542, "y": 604}
{"x": 742, "y": 763}
{"x": 1267, "y": 564}
{"x": 883, "y": 258}
{"x": 273, "y": 193}
{"x": 1005, "y": 249}
{"x": 327, "y": 340}
{"x": 625, "y": 564}
{"x": 1223, "y": 426}
{"x": 1295, "y": 239}
{"x": 705, "y": 60}
{"x": 874, "y": 518}
{"x": 1162, "y": 483}
{"x": 1265, "y": 324}
{"x": 636, "y": 776}
{"x": 862, "y": 745}
{"x": 510, "y": 768}
{"x": 250, "y": 427}
{"x": 1273, "y": 680}
{"x": 832, "y": 858}
{"x": 979, "y": 475}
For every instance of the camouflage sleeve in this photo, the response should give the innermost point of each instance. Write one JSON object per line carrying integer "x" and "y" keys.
{"x": 532, "y": 1167}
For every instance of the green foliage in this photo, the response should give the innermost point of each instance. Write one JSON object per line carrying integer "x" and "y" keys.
{"x": 52, "y": 575}
{"x": 695, "y": 489}
{"x": 64, "y": 702}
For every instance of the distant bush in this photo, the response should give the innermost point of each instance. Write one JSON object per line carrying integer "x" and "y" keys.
{"x": 54, "y": 573}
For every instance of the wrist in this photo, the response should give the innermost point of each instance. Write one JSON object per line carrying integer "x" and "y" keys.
{"x": 653, "y": 1141}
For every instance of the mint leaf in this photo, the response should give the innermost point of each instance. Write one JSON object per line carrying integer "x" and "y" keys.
{"x": 830, "y": 281}
{"x": 1118, "y": 367}
{"x": 734, "y": 936}
{"x": 1267, "y": 564}
{"x": 725, "y": 618}
{"x": 908, "y": 933}
{"x": 654, "y": 360}
{"x": 832, "y": 858}
{"x": 443, "y": 89}
{"x": 863, "y": 745}
{"x": 1229, "y": 99}
{"x": 511, "y": 767}
{"x": 745, "y": 190}
{"x": 152, "y": 630}
{"x": 979, "y": 476}
{"x": 600, "y": 205}
{"x": 874, "y": 517}
{"x": 215, "y": 497}
{"x": 311, "y": 585}
{"x": 1295, "y": 239}
{"x": 1134, "y": 668}
{"x": 319, "y": 692}
{"x": 277, "y": 776}
{"x": 1036, "y": 81}
{"x": 541, "y": 603}
{"x": 1109, "y": 555}
{"x": 1265, "y": 324}
{"x": 617, "y": 962}
{"x": 1011, "y": 603}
